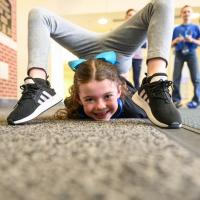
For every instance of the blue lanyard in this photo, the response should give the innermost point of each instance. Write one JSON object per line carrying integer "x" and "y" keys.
{"x": 119, "y": 110}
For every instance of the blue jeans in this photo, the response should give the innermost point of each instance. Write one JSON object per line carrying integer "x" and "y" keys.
{"x": 193, "y": 65}
{"x": 136, "y": 66}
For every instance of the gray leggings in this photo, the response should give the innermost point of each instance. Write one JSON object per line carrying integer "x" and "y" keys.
{"x": 154, "y": 22}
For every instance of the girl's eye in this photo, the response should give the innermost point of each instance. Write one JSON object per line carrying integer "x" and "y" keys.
{"x": 89, "y": 100}
{"x": 108, "y": 96}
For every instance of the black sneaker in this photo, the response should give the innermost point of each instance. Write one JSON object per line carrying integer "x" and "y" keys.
{"x": 154, "y": 98}
{"x": 36, "y": 98}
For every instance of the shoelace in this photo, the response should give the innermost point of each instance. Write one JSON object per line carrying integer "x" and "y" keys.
{"x": 28, "y": 91}
{"x": 160, "y": 90}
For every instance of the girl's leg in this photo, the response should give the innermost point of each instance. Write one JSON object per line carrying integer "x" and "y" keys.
{"x": 44, "y": 25}
{"x": 154, "y": 21}
{"x": 37, "y": 95}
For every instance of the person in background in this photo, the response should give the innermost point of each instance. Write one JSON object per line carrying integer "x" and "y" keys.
{"x": 186, "y": 39}
{"x": 137, "y": 56}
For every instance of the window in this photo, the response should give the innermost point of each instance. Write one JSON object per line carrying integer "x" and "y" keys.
{"x": 5, "y": 18}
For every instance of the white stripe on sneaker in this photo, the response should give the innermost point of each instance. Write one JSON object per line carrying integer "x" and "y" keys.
{"x": 143, "y": 103}
{"x": 46, "y": 94}
{"x": 143, "y": 95}
{"x": 41, "y": 108}
{"x": 44, "y": 97}
{"x": 40, "y": 102}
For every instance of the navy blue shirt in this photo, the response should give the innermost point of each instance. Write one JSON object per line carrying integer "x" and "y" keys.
{"x": 185, "y": 30}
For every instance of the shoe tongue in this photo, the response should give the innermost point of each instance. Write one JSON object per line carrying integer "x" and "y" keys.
{"x": 157, "y": 77}
{"x": 40, "y": 81}
{"x": 30, "y": 80}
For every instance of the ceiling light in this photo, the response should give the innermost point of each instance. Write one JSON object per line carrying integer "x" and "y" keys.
{"x": 102, "y": 21}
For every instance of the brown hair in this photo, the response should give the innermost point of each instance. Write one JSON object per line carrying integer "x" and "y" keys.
{"x": 95, "y": 69}
{"x": 127, "y": 16}
{"x": 185, "y": 6}
{"x": 130, "y": 10}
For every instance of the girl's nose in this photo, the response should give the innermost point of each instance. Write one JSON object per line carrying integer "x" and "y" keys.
{"x": 100, "y": 105}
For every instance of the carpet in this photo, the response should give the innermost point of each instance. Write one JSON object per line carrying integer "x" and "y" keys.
{"x": 85, "y": 160}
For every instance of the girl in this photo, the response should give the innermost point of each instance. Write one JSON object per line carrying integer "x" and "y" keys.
{"x": 154, "y": 21}
{"x": 100, "y": 93}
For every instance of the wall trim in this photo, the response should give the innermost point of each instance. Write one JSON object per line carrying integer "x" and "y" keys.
{"x": 7, "y": 41}
{"x": 7, "y": 103}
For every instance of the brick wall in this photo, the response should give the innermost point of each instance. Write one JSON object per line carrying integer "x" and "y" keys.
{"x": 8, "y": 58}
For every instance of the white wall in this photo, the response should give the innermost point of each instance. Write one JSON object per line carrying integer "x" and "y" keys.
{"x": 57, "y": 55}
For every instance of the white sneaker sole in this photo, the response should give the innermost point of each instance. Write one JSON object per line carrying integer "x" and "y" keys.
{"x": 145, "y": 106}
{"x": 43, "y": 107}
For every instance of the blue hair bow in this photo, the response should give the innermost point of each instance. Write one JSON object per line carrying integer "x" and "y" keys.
{"x": 109, "y": 56}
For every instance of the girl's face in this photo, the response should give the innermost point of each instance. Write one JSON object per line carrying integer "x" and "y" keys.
{"x": 99, "y": 99}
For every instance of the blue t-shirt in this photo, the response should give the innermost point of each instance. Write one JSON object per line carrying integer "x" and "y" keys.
{"x": 184, "y": 30}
